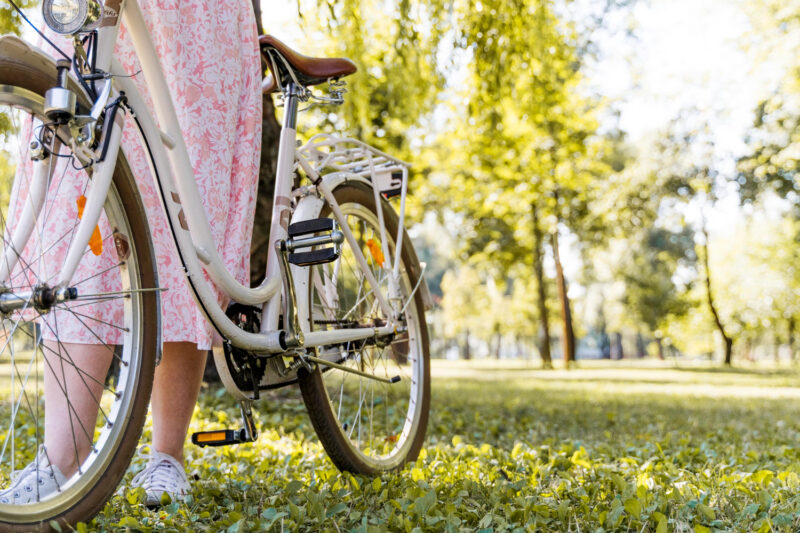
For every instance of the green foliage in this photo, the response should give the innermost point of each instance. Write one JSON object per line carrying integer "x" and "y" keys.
{"x": 486, "y": 99}
{"x": 528, "y": 136}
{"x": 511, "y": 448}
{"x": 652, "y": 293}
{"x": 762, "y": 311}
{"x": 394, "y": 46}
{"x": 9, "y": 19}
{"x": 772, "y": 162}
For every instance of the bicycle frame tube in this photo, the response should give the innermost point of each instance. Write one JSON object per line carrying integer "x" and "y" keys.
{"x": 101, "y": 181}
{"x": 174, "y": 179}
{"x": 204, "y": 294}
{"x": 187, "y": 239}
{"x": 281, "y": 212}
{"x": 194, "y": 219}
{"x": 281, "y": 202}
{"x": 170, "y": 158}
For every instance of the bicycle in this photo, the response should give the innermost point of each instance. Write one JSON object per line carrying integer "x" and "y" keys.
{"x": 341, "y": 311}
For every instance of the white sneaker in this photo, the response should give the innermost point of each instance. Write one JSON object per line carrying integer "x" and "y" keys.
{"x": 163, "y": 474}
{"x": 33, "y": 483}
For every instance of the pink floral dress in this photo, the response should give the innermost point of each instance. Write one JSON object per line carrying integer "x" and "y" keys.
{"x": 211, "y": 60}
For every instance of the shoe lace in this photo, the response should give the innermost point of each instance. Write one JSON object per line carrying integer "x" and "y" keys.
{"x": 162, "y": 473}
{"x": 17, "y": 474}
{"x": 42, "y": 466}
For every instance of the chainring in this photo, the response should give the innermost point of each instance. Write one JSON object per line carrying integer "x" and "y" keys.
{"x": 245, "y": 368}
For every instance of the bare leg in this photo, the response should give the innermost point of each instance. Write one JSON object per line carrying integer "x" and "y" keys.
{"x": 69, "y": 422}
{"x": 69, "y": 425}
{"x": 175, "y": 390}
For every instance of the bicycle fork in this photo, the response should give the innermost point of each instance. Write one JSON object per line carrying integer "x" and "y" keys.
{"x": 44, "y": 148}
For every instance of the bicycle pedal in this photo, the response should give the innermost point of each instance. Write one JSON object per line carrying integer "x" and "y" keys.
{"x": 308, "y": 227}
{"x": 316, "y": 257}
{"x": 222, "y": 437}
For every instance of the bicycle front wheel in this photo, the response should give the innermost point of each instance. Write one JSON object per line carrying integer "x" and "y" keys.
{"x": 91, "y": 355}
{"x": 368, "y": 426}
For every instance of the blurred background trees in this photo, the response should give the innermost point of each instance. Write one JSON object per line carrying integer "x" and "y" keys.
{"x": 551, "y": 227}
{"x": 593, "y": 178}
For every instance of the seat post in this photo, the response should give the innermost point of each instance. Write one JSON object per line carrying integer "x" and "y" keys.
{"x": 292, "y": 95}
{"x": 281, "y": 211}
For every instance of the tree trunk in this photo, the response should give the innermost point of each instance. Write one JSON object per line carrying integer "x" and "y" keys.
{"x": 498, "y": 344}
{"x": 257, "y": 12}
{"x": 776, "y": 348}
{"x": 792, "y": 331}
{"x": 619, "y": 351}
{"x": 640, "y": 346}
{"x": 538, "y": 269}
{"x": 660, "y": 344}
{"x": 568, "y": 338}
{"x": 710, "y": 298}
{"x": 605, "y": 341}
{"x": 466, "y": 353}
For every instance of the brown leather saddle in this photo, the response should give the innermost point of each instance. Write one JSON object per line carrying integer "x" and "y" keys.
{"x": 308, "y": 71}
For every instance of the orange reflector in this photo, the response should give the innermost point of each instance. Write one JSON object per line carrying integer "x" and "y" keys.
{"x": 96, "y": 240}
{"x": 375, "y": 251}
{"x": 211, "y": 436}
{"x": 81, "y": 201}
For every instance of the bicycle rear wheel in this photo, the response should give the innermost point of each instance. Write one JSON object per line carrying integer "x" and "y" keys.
{"x": 97, "y": 349}
{"x": 368, "y": 426}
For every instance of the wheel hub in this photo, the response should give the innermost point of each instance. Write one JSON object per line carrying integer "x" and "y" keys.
{"x": 42, "y": 298}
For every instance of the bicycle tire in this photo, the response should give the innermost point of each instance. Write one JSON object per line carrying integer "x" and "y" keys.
{"x": 124, "y": 398}
{"x": 404, "y": 406}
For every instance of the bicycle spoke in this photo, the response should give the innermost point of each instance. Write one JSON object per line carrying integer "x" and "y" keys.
{"x": 88, "y": 356}
{"x": 377, "y": 420}
{"x": 109, "y": 269}
{"x": 71, "y": 423}
{"x": 98, "y": 320}
{"x": 74, "y": 305}
{"x": 75, "y": 367}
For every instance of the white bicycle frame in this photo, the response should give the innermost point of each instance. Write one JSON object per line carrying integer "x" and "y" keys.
{"x": 174, "y": 179}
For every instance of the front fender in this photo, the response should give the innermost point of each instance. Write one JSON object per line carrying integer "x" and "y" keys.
{"x": 14, "y": 49}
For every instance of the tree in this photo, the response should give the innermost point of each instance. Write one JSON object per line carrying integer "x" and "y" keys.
{"x": 526, "y": 142}
{"x": 771, "y": 162}
{"x": 653, "y": 294}
{"x": 9, "y": 18}
{"x": 465, "y": 296}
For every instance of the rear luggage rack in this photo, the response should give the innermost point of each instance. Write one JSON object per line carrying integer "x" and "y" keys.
{"x": 329, "y": 153}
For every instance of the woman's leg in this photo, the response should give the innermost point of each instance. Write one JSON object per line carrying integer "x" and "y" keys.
{"x": 69, "y": 421}
{"x": 175, "y": 390}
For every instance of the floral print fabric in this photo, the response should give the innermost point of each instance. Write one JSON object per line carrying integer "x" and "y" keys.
{"x": 210, "y": 57}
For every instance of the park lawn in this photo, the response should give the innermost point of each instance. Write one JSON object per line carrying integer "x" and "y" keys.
{"x": 608, "y": 446}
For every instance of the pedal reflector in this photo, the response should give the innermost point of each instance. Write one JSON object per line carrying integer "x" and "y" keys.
{"x": 221, "y": 437}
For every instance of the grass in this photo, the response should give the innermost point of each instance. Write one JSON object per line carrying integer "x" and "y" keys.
{"x": 609, "y": 446}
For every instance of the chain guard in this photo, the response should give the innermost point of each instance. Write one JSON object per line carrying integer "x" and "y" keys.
{"x": 246, "y": 369}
